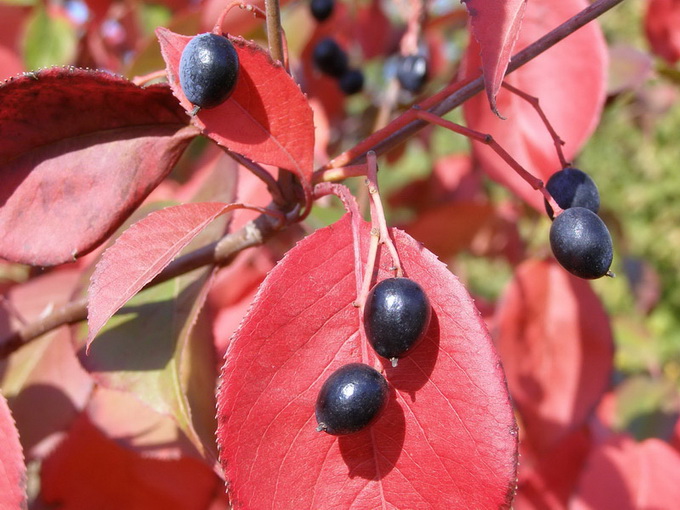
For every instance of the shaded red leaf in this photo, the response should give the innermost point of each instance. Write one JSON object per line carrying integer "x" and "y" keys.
{"x": 569, "y": 79}
{"x": 462, "y": 220}
{"x": 88, "y": 470}
{"x": 555, "y": 341}
{"x": 662, "y": 27}
{"x": 141, "y": 253}
{"x": 626, "y": 475}
{"x": 447, "y": 438}
{"x": 133, "y": 425}
{"x": 159, "y": 346}
{"x": 79, "y": 150}
{"x": 12, "y": 467}
{"x": 452, "y": 179}
{"x": 267, "y": 118}
{"x": 548, "y": 481}
{"x": 496, "y": 26}
{"x": 43, "y": 381}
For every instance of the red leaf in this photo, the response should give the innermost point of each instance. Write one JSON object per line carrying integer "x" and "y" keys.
{"x": 79, "y": 150}
{"x": 12, "y": 467}
{"x": 569, "y": 80}
{"x": 662, "y": 27}
{"x": 446, "y": 440}
{"x": 556, "y": 345}
{"x": 267, "y": 118}
{"x": 495, "y": 25}
{"x": 548, "y": 481}
{"x": 43, "y": 381}
{"x": 88, "y": 470}
{"x": 140, "y": 254}
{"x": 626, "y": 475}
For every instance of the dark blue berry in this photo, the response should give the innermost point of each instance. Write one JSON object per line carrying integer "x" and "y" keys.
{"x": 321, "y": 9}
{"x": 572, "y": 187}
{"x": 330, "y": 58}
{"x": 396, "y": 316}
{"x": 351, "y": 399}
{"x": 581, "y": 243}
{"x": 352, "y": 82}
{"x": 208, "y": 70}
{"x": 412, "y": 72}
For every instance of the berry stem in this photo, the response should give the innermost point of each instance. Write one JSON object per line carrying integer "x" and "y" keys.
{"x": 339, "y": 174}
{"x": 259, "y": 13}
{"x": 274, "y": 30}
{"x": 534, "y": 102}
{"x": 487, "y": 139}
{"x": 262, "y": 174}
{"x": 378, "y": 213}
{"x": 350, "y": 203}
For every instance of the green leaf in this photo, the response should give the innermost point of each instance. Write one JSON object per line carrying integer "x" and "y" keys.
{"x": 50, "y": 40}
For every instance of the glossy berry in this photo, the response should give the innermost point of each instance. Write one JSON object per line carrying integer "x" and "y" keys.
{"x": 208, "y": 70}
{"x": 352, "y": 82}
{"x": 581, "y": 243}
{"x": 351, "y": 399}
{"x": 330, "y": 58}
{"x": 572, "y": 187}
{"x": 412, "y": 72}
{"x": 321, "y": 9}
{"x": 396, "y": 316}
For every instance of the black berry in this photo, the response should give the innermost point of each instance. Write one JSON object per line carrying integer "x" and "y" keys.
{"x": 572, "y": 187}
{"x": 352, "y": 82}
{"x": 581, "y": 243}
{"x": 351, "y": 399}
{"x": 396, "y": 316}
{"x": 330, "y": 58}
{"x": 208, "y": 70}
{"x": 412, "y": 72}
{"x": 321, "y": 9}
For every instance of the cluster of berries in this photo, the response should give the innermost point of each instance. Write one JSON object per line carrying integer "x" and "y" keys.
{"x": 330, "y": 58}
{"x": 579, "y": 239}
{"x": 396, "y": 316}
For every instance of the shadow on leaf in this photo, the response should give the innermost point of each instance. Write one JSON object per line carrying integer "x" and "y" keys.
{"x": 373, "y": 453}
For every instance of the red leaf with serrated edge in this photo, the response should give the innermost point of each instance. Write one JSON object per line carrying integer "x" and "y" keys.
{"x": 79, "y": 151}
{"x": 626, "y": 475}
{"x": 496, "y": 26}
{"x": 141, "y": 253}
{"x": 12, "y": 467}
{"x": 448, "y": 436}
{"x": 569, "y": 80}
{"x": 89, "y": 470}
{"x": 556, "y": 345}
{"x": 662, "y": 27}
{"x": 267, "y": 118}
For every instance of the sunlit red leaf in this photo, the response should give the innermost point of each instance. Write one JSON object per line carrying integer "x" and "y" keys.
{"x": 569, "y": 80}
{"x": 89, "y": 470}
{"x": 12, "y": 467}
{"x": 79, "y": 150}
{"x": 496, "y": 26}
{"x": 662, "y": 27}
{"x": 555, "y": 341}
{"x": 267, "y": 118}
{"x": 447, "y": 438}
{"x": 141, "y": 253}
{"x": 626, "y": 475}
